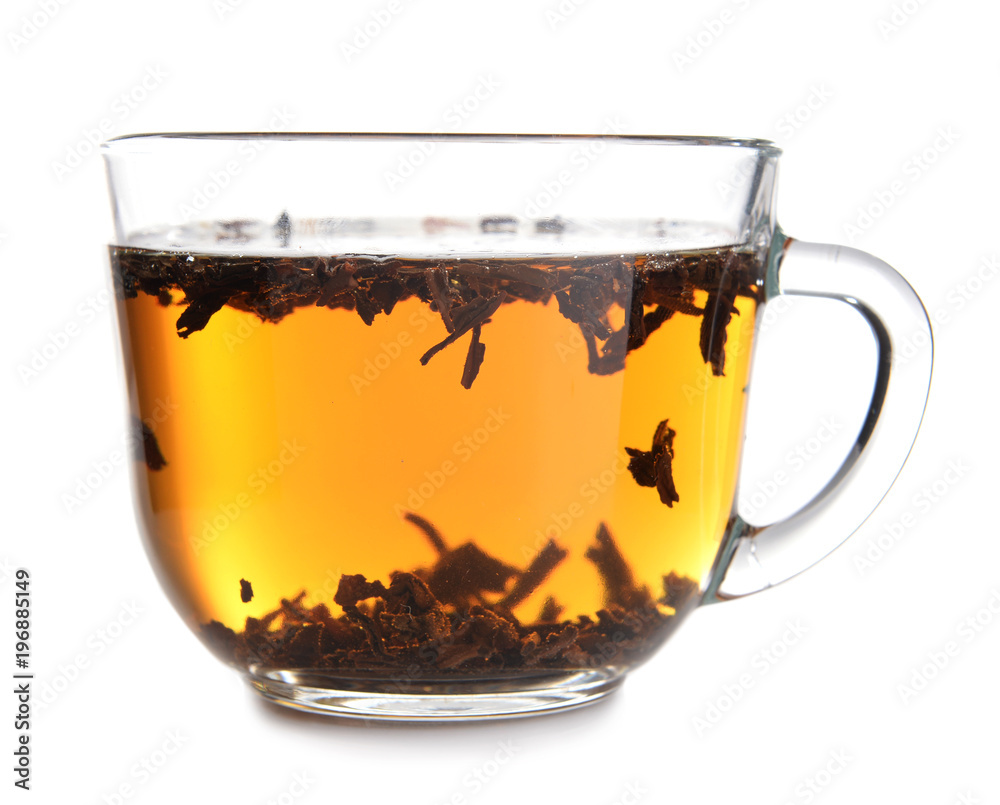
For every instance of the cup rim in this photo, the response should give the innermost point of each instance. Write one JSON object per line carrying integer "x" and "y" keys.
{"x": 762, "y": 145}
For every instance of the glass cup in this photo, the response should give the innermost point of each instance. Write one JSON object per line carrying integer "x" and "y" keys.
{"x": 449, "y": 426}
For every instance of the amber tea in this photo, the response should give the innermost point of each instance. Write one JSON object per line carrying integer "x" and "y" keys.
{"x": 423, "y": 467}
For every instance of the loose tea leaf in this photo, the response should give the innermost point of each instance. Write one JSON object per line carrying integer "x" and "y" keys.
{"x": 578, "y": 311}
{"x": 654, "y": 467}
{"x": 357, "y": 588}
{"x": 433, "y": 535}
{"x": 611, "y": 359}
{"x": 651, "y": 322}
{"x": 536, "y": 573}
{"x": 455, "y": 617}
{"x": 150, "y": 448}
{"x": 474, "y": 360}
{"x": 551, "y": 610}
{"x": 719, "y": 309}
{"x": 466, "y": 573}
{"x": 246, "y": 591}
{"x": 650, "y": 289}
{"x": 619, "y": 584}
{"x": 335, "y": 282}
{"x": 366, "y": 305}
{"x": 386, "y": 291}
{"x": 436, "y": 283}
{"x": 678, "y": 590}
{"x": 199, "y": 311}
{"x": 466, "y": 317}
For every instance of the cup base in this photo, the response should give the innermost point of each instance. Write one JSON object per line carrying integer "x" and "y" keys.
{"x": 434, "y": 700}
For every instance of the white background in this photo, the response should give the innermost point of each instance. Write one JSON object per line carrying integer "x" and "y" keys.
{"x": 881, "y": 95}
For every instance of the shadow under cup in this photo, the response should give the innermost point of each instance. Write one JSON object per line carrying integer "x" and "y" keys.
{"x": 455, "y": 444}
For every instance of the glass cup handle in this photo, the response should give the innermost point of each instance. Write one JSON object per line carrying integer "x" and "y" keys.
{"x": 754, "y": 558}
